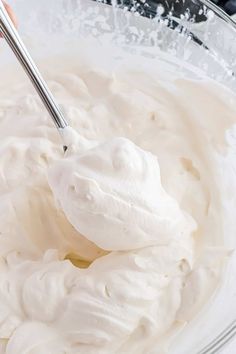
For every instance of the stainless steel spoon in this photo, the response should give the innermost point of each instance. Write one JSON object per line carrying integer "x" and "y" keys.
{"x": 12, "y": 37}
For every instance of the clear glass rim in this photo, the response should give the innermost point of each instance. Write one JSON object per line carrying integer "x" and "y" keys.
{"x": 219, "y": 12}
{"x": 222, "y": 339}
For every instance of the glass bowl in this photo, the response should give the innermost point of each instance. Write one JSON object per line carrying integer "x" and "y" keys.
{"x": 194, "y": 32}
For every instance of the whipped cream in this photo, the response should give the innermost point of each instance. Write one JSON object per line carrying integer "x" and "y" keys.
{"x": 118, "y": 244}
{"x": 112, "y": 193}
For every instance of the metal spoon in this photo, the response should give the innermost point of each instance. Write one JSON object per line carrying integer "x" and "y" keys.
{"x": 12, "y": 37}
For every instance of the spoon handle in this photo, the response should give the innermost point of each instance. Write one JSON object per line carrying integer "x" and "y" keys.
{"x": 13, "y": 39}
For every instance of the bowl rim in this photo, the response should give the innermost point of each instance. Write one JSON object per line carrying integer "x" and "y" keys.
{"x": 221, "y": 13}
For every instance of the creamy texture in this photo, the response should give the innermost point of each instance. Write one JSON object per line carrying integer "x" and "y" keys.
{"x": 146, "y": 249}
{"x": 112, "y": 193}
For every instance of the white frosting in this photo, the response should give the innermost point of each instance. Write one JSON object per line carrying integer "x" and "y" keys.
{"x": 147, "y": 252}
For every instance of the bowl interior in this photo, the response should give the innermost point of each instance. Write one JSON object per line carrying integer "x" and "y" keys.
{"x": 189, "y": 34}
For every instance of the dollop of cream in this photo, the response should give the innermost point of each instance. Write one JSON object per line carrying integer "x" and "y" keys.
{"x": 113, "y": 195}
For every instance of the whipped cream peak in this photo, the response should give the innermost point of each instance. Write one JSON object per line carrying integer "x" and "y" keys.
{"x": 74, "y": 141}
{"x": 112, "y": 194}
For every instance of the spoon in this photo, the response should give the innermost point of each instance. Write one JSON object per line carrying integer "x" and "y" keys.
{"x": 13, "y": 39}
